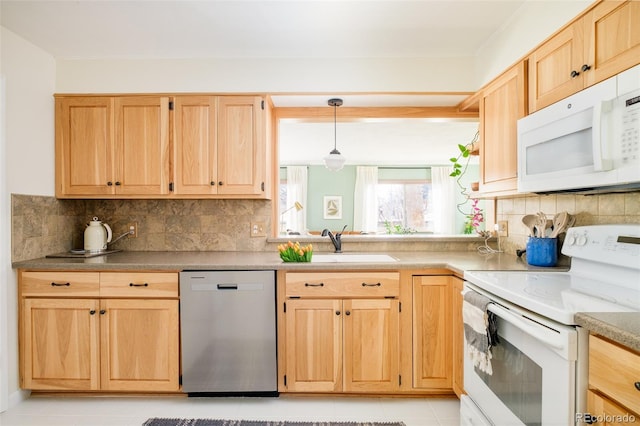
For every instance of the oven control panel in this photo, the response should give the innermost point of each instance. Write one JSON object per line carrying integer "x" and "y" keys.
{"x": 612, "y": 244}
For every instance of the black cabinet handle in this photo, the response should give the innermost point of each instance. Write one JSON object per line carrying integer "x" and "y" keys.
{"x": 109, "y": 183}
{"x": 586, "y": 67}
{"x": 102, "y": 312}
{"x": 337, "y": 312}
{"x": 213, "y": 183}
{"x": 92, "y": 312}
{"x": 138, "y": 285}
{"x": 574, "y": 74}
{"x": 227, "y": 286}
{"x": 637, "y": 385}
{"x": 118, "y": 183}
{"x": 371, "y": 285}
{"x": 220, "y": 183}
{"x": 60, "y": 284}
{"x": 348, "y": 313}
{"x": 314, "y": 285}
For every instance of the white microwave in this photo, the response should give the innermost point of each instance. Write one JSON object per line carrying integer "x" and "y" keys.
{"x": 588, "y": 142}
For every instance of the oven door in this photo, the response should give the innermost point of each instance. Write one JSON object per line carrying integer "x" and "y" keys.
{"x": 534, "y": 371}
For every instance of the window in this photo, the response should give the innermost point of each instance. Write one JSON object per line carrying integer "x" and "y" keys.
{"x": 404, "y": 207}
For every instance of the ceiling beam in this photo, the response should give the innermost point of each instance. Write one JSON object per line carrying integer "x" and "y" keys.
{"x": 321, "y": 114}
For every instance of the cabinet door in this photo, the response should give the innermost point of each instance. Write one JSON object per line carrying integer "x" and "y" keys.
{"x": 314, "y": 345}
{"x": 431, "y": 332}
{"x": 241, "y": 166}
{"x": 60, "y": 344}
{"x": 371, "y": 345}
{"x": 555, "y": 67}
{"x": 613, "y": 39}
{"x": 611, "y": 413}
{"x": 503, "y": 102}
{"x": 142, "y": 145}
{"x": 84, "y": 146}
{"x": 457, "y": 335}
{"x": 195, "y": 145}
{"x": 139, "y": 345}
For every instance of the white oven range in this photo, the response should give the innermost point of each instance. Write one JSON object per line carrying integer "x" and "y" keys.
{"x": 540, "y": 363}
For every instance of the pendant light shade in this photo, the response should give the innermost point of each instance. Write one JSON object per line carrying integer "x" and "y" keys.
{"x": 334, "y": 161}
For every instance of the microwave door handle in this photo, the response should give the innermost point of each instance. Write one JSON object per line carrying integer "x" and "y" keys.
{"x": 541, "y": 333}
{"x": 600, "y": 112}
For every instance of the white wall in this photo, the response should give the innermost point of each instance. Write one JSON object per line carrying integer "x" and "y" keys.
{"x": 26, "y": 167}
{"x": 30, "y": 83}
{"x": 266, "y": 75}
{"x": 534, "y": 22}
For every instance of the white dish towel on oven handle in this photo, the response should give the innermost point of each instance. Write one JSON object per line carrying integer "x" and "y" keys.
{"x": 480, "y": 329}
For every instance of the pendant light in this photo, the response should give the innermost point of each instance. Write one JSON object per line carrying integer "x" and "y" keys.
{"x": 334, "y": 161}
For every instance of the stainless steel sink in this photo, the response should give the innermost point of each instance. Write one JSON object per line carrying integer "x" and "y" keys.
{"x": 352, "y": 258}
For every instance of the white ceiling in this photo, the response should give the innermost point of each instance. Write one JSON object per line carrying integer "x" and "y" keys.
{"x": 258, "y": 28}
{"x": 392, "y": 142}
{"x": 331, "y": 29}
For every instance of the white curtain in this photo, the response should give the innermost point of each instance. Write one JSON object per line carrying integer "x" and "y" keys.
{"x": 296, "y": 220}
{"x": 365, "y": 201}
{"x": 443, "y": 200}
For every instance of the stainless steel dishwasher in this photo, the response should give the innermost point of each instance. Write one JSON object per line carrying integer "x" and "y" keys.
{"x": 228, "y": 330}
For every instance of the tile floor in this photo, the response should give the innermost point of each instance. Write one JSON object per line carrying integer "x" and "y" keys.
{"x": 122, "y": 411}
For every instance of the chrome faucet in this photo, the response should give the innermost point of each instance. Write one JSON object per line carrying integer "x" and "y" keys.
{"x": 335, "y": 239}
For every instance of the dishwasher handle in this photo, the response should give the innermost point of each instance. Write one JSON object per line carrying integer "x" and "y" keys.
{"x": 227, "y": 286}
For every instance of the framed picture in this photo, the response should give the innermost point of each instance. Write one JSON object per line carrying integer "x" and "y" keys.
{"x": 332, "y": 206}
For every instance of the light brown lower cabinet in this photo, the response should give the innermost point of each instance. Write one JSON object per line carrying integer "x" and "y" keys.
{"x": 614, "y": 381}
{"x": 604, "y": 411}
{"x": 432, "y": 352}
{"x": 341, "y": 332}
{"x": 342, "y": 345}
{"x": 370, "y": 332}
{"x": 457, "y": 335}
{"x": 89, "y": 343}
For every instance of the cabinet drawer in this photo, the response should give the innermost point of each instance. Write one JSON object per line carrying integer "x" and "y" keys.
{"x": 60, "y": 284}
{"x": 343, "y": 284}
{"x": 614, "y": 371}
{"x": 138, "y": 284}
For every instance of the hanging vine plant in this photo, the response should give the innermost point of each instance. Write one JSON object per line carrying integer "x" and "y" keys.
{"x": 460, "y": 164}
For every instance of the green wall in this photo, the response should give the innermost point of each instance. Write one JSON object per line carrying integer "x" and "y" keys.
{"x": 324, "y": 182}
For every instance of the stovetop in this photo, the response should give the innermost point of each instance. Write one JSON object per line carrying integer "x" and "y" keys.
{"x": 604, "y": 276}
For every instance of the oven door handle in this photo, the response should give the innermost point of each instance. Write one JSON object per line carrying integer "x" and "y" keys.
{"x": 533, "y": 329}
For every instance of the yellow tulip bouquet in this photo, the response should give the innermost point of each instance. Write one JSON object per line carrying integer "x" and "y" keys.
{"x": 291, "y": 252}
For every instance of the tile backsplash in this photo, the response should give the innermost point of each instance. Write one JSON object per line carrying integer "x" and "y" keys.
{"x": 588, "y": 210}
{"x": 43, "y": 225}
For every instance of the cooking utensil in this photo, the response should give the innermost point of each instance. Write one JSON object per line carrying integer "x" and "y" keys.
{"x": 560, "y": 221}
{"x": 541, "y": 225}
{"x": 529, "y": 221}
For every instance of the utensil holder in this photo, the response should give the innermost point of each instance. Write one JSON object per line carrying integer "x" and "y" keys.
{"x": 542, "y": 251}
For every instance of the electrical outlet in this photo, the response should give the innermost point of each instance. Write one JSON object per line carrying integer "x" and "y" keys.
{"x": 258, "y": 229}
{"x": 503, "y": 228}
{"x": 133, "y": 230}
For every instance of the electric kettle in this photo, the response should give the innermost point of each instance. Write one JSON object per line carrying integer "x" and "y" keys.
{"x": 96, "y": 236}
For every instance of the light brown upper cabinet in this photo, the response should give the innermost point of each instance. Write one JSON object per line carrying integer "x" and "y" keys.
{"x": 152, "y": 146}
{"x": 220, "y": 146}
{"x": 601, "y": 43}
{"x": 502, "y": 103}
{"x": 108, "y": 146}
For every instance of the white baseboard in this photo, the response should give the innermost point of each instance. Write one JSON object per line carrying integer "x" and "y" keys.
{"x": 17, "y": 397}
